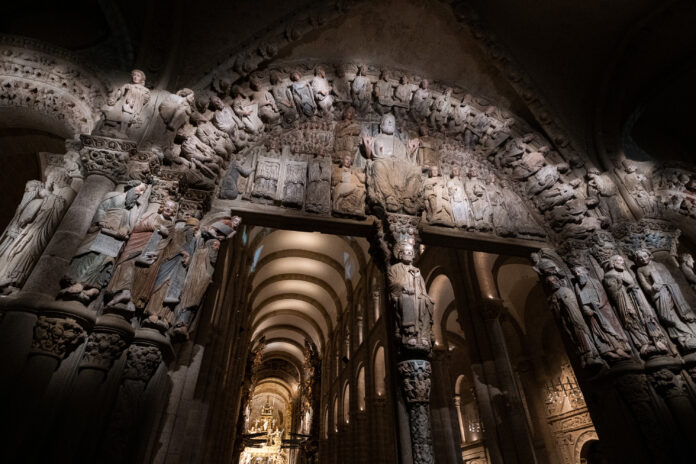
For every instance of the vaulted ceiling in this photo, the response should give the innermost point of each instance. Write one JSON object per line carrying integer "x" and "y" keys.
{"x": 299, "y": 285}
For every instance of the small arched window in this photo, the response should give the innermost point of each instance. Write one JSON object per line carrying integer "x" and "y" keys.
{"x": 361, "y": 388}
{"x": 346, "y": 403}
{"x": 380, "y": 384}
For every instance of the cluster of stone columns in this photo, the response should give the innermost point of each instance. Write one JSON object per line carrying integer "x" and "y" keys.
{"x": 641, "y": 397}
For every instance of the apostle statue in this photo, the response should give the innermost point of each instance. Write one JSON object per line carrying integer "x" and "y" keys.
{"x": 478, "y": 198}
{"x": 438, "y": 210}
{"x": 608, "y": 336}
{"x": 384, "y": 93}
{"x": 91, "y": 267}
{"x": 283, "y": 98}
{"x": 176, "y": 110}
{"x": 246, "y": 110}
{"x": 565, "y": 305}
{"x": 414, "y": 308}
{"x": 199, "y": 274}
{"x": 673, "y": 311}
{"x": 346, "y": 135}
{"x": 229, "y": 189}
{"x": 123, "y": 107}
{"x": 441, "y": 109}
{"x": 128, "y": 285}
{"x": 348, "y": 194}
{"x": 421, "y": 101}
{"x": 361, "y": 90}
{"x": 394, "y": 178}
{"x": 461, "y": 208}
{"x": 268, "y": 111}
{"x": 634, "y": 311}
{"x": 302, "y": 95}
{"x": 322, "y": 91}
{"x": 686, "y": 264}
{"x": 169, "y": 271}
{"x": 36, "y": 218}
{"x": 602, "y": 189}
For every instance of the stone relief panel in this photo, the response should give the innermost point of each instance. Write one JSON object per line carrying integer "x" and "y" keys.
{"x": 424, "y": 150}
{"x": 49, "y": 81}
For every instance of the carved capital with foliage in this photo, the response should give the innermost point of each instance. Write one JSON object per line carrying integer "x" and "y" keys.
{"x": 56, "y": 337}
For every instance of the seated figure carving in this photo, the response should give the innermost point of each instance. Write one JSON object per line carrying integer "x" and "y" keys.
{"x": 394, "y": 179}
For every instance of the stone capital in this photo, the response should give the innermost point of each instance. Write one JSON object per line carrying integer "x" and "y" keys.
{"x": 107, "y": 341}
{"x": 106, "y": 156}
{"x": 56, "y": 336}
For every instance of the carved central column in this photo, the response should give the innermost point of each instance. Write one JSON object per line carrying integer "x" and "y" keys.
{"x": 413, "y": 330}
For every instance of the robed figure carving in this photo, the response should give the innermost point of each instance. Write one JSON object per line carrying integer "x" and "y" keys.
{"x": 673, "y": 311}
{"x": 607, "y": 334}
{"x": 32, "y": 226}
{"x": 633, "y": 309}
{"x": 92, "y": 265}
{"x": 128, "y": 284}
{"x": 565, "y": 305}
{"x": 394, "y": 179}
{"x": 414, "y": 307}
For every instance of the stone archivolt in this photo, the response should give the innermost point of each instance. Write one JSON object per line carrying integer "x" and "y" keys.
{"x": 42, "y": 80}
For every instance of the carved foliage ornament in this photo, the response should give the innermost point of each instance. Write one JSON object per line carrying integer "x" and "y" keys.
{"x": 57, "y": 337}
{"x": 141, "y": 362}
{"x": 102, "y": 349}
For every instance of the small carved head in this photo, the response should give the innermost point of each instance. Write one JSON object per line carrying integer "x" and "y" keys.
{"x": 687, "y": 259}
{"x": 169, "y": 209}
{"x": 643, "y": 256}
{"x": 319, "y": 72}
{"x": 553, "y": 282}
{"x": 423, "y": 130}
{"x": 385, "y": 75}
{"x": 349, "y": 113}
{"x": 340, "y": 72}
{"x": 434, "y": 171}
{"x": 404, "y": 79}
{"x": 275, "y": 77}
{"x": 388, "y": 124}
{"x": 255, "y": 82}
{"x": 295, "y": 76}
{"x": 448, "y": 91}
{"x": 187, "y": 94}
{"x": 425, "y": 83}
{"x": 347, "y": 160}
{"x": 580, "y": 273}
{"x": 615, "y": 262}
{"x": 456, "y": 171}
{"x": 217, "y": 103}
{"x": 138, "y": 77}
{"x": 404, "y": 252}
{"x": 362, "y": 70}
{"x": 628, "y": 166}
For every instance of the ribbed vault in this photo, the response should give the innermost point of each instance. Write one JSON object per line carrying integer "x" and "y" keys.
{"x": 298, "y": 285}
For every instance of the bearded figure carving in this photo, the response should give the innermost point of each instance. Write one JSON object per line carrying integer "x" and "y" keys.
{"x": 414, "y": 307}
{"x": 92, "y": 265}
{"x": 635, "y": 313}
{"x": 394, "y": 179}
{"x": 567, "y": 310}
{"x": 673, "y": 311}
{"x": 607, "y": 334}
{"x": 29, "y": 231}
